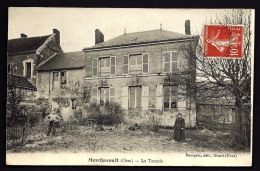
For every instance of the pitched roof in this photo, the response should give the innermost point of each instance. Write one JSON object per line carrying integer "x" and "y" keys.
{"x": 28, "y": 44}
{"x": 142, "y": 37}
{"x": 19, "y": 81}
{"x": 59, "y": 61}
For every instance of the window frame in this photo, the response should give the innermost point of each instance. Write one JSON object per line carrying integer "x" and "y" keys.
{"x": 72, "y": 105}
{"x": 171, "y": 61}
{"x": 9, "y": 68}
{"x": 135, "y": 98}
{"x": 98, "y": 67}
{"x": 142, "y": 63}
{"x": 59, "y": 79}
{"x": 170, "y": 97}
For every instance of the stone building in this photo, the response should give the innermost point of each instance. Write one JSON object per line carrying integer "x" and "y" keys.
{"x": 132, "y": 68}
{"x": 61, "y": 81}
{"x": 26, "y": 53}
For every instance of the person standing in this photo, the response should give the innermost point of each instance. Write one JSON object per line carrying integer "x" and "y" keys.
{"x": 179, "y": 128}
{"x": 53, "y": 119}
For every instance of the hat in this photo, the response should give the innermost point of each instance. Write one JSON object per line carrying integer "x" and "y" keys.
{"x": 179, "y": 114}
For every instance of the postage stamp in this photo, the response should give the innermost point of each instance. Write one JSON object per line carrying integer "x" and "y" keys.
{"x": 223, "y": 41}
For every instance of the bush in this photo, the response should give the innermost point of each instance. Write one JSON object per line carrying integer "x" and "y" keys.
{"x": 153, "y": 122}
{"x": 109, "y": 113}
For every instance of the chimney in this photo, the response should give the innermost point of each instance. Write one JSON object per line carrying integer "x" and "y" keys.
{"x": 23, "y": 35}
{"x": 187, "y": 27}
{"x": 57, "y": 35}
{"x": 99, "y": 37}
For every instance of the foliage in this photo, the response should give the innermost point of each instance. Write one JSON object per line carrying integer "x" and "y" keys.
{"x": 108, "y": 114}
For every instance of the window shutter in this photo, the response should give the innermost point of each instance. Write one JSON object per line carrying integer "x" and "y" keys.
{"x": 181, "y": 97}
{"x": 159, "y": 97}
{"x": 174, "y": 61}
{"x": 125, "y": 69}
{"x": 145, "y": 97}
{"x": 125, "y": 98}
{"x": 94, "y": 94}
{"x": 95, "y": 67}
{"x": 112, "y": 94}
{"x": 145, "y": 63}
{"x": 113, "y": 65}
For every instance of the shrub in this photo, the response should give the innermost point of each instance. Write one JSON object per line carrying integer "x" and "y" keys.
{"x": 109, "y": 113}
{"x": 153, "y": 122}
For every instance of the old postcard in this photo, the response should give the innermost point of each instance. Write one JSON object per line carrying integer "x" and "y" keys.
{"x": 129, "y": 87}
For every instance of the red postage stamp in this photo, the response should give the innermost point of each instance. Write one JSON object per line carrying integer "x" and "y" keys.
{"x": 223, "y": 41}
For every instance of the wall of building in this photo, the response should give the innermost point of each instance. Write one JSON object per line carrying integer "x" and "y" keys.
{"x": 168, "y": 115}
{"x": 155, "y": 77}
{"x": 216, "y": 113}
{"x": 45, "y": 89}
{"x": 155, "y": 56}
{"x": 48, "y": 50}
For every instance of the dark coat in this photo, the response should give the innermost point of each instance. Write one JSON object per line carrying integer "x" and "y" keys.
{"x": 179, "y": 129}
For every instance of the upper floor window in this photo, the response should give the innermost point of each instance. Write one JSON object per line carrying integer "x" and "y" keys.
{"x": 136, "y": 64}
{"x": 28, "y": 68}
{"x": 55, "y": 79}
{"x": 104, "y": 66}
{"x": 59, "y": 79}
{"x": 63, "y": 75}
{"x": 9, "y": 68}
{"x": 170, "y": 61}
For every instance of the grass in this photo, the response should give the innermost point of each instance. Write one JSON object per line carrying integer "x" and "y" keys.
{"x": 85, "y": 139}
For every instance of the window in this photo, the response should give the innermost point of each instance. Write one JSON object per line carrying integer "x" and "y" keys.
{"x": 59, "y": 79}
{"x": 135, "y": 64}
{"x": 170, "y": 96}
{"x": 55, "y": 79}
{"x": 28, "y": 69}
{"x": 9, "y": 68}
{"x": 63, "y": 75}
{"x": 103, "y": 95}
{"x": 135, "y": 97}
{"x": 104, "y": 66}
{"x": 170, "y": 61}
{"x": 74, "y": 103}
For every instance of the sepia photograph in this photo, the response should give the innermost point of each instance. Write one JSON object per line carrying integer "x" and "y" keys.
{"x": 129, "y": 86}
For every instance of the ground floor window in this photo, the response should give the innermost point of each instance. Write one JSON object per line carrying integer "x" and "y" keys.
{"x": 135, "y": 97}
{"x": 170, "y": 97}
{"x": 74, "y": 103}
{"x": 103, "y": 95}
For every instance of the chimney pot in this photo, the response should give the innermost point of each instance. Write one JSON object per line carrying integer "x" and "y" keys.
{"x": 187, "y": 27}
{"x": 23, "y": 35}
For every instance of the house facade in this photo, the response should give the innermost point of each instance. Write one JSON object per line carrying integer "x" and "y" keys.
{"x": 132, "y": 69}
{"x": 60, "y": 80}
{"x": 26, "y": 53}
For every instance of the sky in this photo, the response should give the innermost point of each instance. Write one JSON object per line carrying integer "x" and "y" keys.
{"x": 77, "y": 25}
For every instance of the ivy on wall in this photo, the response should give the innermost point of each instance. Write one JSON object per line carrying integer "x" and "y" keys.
{"x": 62, "y": 101}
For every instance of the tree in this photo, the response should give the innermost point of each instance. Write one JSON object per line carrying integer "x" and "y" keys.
{"x": 225, "y": 76}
